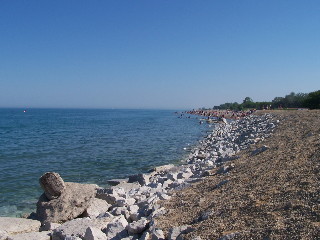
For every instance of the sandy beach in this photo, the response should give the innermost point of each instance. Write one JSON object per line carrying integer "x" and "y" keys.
{"x": 270, "y": 195}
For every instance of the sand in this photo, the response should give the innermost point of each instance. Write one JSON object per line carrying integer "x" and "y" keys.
{"x": 271, "y": 195}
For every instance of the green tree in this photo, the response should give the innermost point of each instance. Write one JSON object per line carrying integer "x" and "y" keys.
{"x": 248, "y": 103}
{"x": 312, "y": 100}
{"x": 247, "y": 100}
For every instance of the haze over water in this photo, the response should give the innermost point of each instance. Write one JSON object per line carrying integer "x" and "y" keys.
{"x": 87, "y": 146}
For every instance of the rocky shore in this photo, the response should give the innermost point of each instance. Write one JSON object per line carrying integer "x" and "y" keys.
{"x": 169, "y": 202}
{"x": 271, "y": 191}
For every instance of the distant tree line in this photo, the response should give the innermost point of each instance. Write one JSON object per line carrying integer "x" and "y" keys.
{"x": 293, "y": 100}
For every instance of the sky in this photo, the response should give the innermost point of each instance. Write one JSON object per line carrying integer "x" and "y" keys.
{"x": 168, "y": 54}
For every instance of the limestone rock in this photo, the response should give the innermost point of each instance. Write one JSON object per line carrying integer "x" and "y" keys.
{"x": 176, "y": 232}
{"x": 96, "y": 208}
{"x": 117, "y": 211}
{"x": 74, "y": 200}
{"x": 3, "y": 235}
{"x": 48, "y": 226}
{"x": 128, "y": 186}
{"x": 52, "y": 184}
{"x": 115, "y": 182}
{"x": 116, "y": 229}
{"x": 145, "y": 236}
{"x": 157, "y": 212}
{"x": 157, "y": 234}
{"x": 31, "y": 236}
{"x": 163, "y": 168}
{"x": 163, "y": 196}
{"x": 93, "y": 233}
{"x": 133, "y": 208}
{"x": 102, "y": 222}
{"x": 142, "y": 179}
{"x": 172, "y": 176}
{"x": 138, "y": 226}
{"x": 185, "y": 175}
{"x": 73, "y": 228}
{"x": 18, "y": 225}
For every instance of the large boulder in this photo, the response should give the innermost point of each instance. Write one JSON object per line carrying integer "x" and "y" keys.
{"x": 73, "y": 228}
{"x": 93, "y": 233}
{"x": 73, "y": 201}
{"x": 97, "y": 207}
{"x": 52, "y": 184}
{"x": 116, "y": 229}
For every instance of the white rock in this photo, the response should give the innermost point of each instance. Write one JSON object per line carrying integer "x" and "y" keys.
{"x": 48, "y": 226}
{"x": 120, "y": 192}
{"x": 116, "y": 229}
{"x": 93, "y": 233}
{"x": 133, "y": 208}
{"x": 145, "y": 236}
{"x": 138, "y": 226}
{"x": 135, "y": 216}
{"x": 97, "y": 207}
{"x": 3, "y": 235}
{"x": 157, "y": 212}
{"x": 162, "y": 180}
{"x": 163, "y": 168}
{"x": 105, "y": 215}
{"x": 163, "y": 196}
{"x": 130, "y": 201}
{"x": 176, "y": 183}
{"x": 18, "y": 225}
{"x": 157, "y": 235}
{"x": 167, "y": 183}
{"x": 175, "y": 232}
{"x": 74, "y": 228}
{"x": 117, "y": 211}
{"x": 121, "y": 202}
{"x": 31, "y": 236}
{"x": 185, "y": 175}
{"x": 142, "y": 179}
{"x": 140, "y": 197}
{"x": 172, "y": 176}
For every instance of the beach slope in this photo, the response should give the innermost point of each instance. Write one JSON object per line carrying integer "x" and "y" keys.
{"x": 272, "y": 194}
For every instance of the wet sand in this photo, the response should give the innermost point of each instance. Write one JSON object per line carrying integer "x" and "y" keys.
{"x": 271, "y": 195}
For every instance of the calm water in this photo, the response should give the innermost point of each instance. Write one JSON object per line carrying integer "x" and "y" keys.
{"x": 87, "y": 146}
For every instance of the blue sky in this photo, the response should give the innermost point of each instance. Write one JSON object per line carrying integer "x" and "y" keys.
{"x": 156, "y": 54}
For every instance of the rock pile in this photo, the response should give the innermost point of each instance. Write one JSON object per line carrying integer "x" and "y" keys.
{"x": 127, "y": 210}
{"x": 63, "y": 201}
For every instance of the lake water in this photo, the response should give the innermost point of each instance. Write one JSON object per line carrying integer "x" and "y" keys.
{"x": 86, "y": 146}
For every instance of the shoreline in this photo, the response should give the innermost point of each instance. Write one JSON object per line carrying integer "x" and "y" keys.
{"x": 270, "y": 191}
{"x": 131, "y": 144}
{"x": 136, "y": 200}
